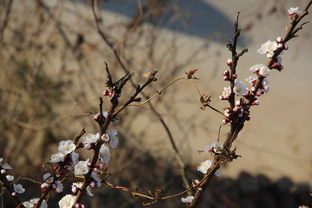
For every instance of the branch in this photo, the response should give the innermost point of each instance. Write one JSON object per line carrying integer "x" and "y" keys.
{"x": 124, "y": 68}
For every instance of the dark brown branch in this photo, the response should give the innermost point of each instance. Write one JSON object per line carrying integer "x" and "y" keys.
{"x": 6, "y": 20}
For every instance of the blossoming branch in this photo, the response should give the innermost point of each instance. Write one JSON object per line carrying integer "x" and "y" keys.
{"x": 91, "y": 173}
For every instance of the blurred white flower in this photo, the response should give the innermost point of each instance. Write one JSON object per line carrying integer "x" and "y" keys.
{"x": 268, "y": 48}
{"x": 187, "y": 199}
{"x": 76, "y": 186}
{"x": 33, "y": 202}
{"x": 264, "y": 71}
{"x": 66, "y": 147}
{"x": 213, "y": 146}
{"x": 261, "y": 69}
{"x": 265, "y": 84}
{"x": 9, "y": 177}
{"x": 204, "y": 166}
{"x": 97, "y": 179}
{"x": 89, "y": 139}
{"x": 48, "y": 178}
{"x": 294, "y": 10}
{"x": 251, "y": 78}
{"x": 18, "y": 188}
{"x": 113, "y": 139}
{"x": 74, "y": 158}
{"x": 81, "y": 168}
{"x": 104, "y": 154}
{"x": 58, "y": 186}
{"x": 67, "y": 201}
{"x": 239, "y": 88}
{"x": 57, "y": 157}
{"x": 226, "y": 93}
{"x": 6, "y": 166}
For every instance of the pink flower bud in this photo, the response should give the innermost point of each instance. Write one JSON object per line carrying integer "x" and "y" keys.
{"x": 234, "y": 76}
{"x": 278, "y": 39}
{"x": 97, "y": 117}
{"x": 256, "y": 102}
{"x": 92, "y": 184}
{"x": 275, "y": 65}
{"x": 280, "y": 45}
{"x": 3, "y": 171}
{"x": 44, "y": 185}
{"x": 107, "y": 93}
{"x": 226, "y": 73}
{"x": 285, "y": 47}
{"x": 100, "y": 166}
{"x": 13, "y": 193}
{"x": 87, "y": 146}
{"x": 229, "y": 62}
{"x": 74, "y": 189}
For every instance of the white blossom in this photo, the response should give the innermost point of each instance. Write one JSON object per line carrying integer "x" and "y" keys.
{"x": 6, "y": 166}
{"x": 187, "y": 199}
{"x": 261, "y": 69}
{"x": 9, "y": 177}
{"x": 226, "y": 92}
{"x": 113, "y": 139}
{"x": 294, "y": 10}
{"x": 81, "y": 168}
{"x": 96, "y": 178}
{"x": 76, "y": 186}
{"x": 74, "y": 160}
{"x": 213, "y": 146}
{"x": 57, "y": 157}
{"x": 105, "y": 138}
{"x": 251, "y": 78}
{"x": 48, "y": 178}
{"x": 58, "y": 186}
{"x": 18, "y": 188}
{"x": 264, "y": 71}
{"x": 265, "y": 84}
{"x": 239, "y": 88}
{"x": 67, "y": 201}
{"x": 104, "y": 154}
{"x": 204, "y": 166}
{"x": 268, "y": 48}
{"x": 89, "y": 139}
{"x": 66, "y": 147}
{"x": 33, "y": 202}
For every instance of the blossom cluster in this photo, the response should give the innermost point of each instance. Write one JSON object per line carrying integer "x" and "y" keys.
{"x": 4, "y": 168}
{"x": 67, "y": 158}
{"x": 239, "y": 110}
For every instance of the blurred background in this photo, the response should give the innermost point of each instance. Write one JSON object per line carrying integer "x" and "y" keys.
{"x": 52, "y": 73}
